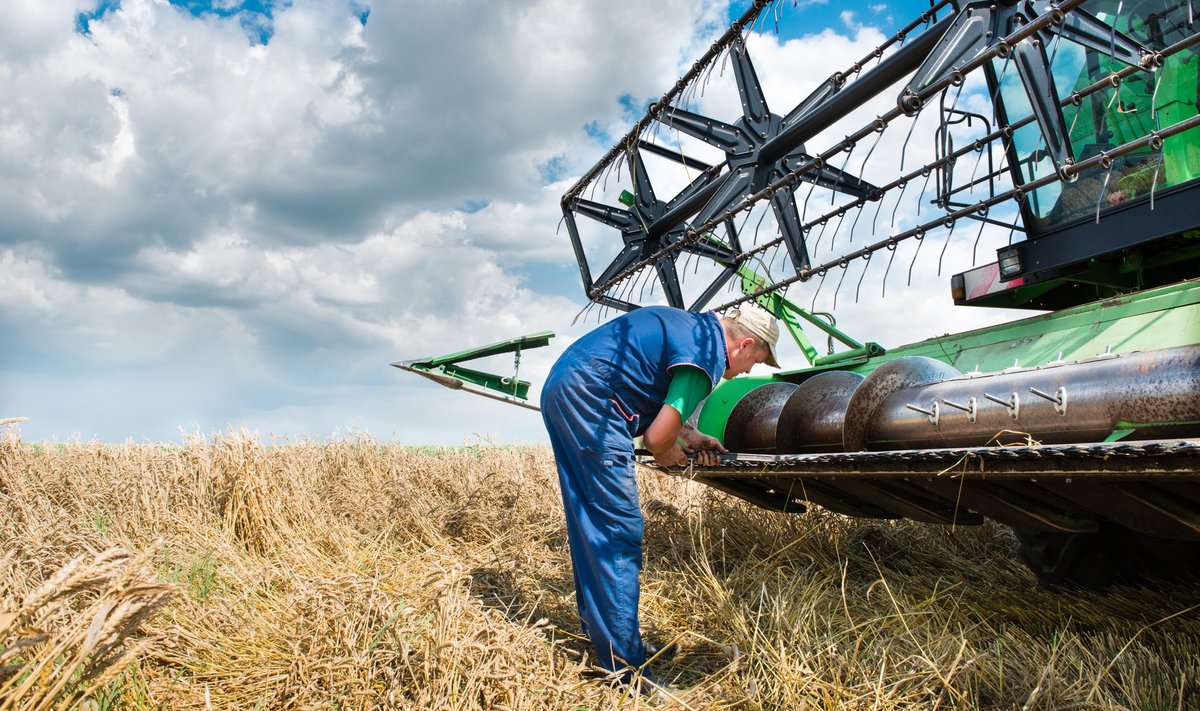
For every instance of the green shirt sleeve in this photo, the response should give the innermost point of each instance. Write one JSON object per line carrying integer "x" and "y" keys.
{"x": 689, "y": 385}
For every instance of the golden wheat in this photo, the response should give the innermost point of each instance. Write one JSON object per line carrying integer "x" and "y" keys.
{"x": 347, "y": 574}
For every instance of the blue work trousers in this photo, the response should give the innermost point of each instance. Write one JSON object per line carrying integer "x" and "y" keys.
{"x": 593, "y": 449}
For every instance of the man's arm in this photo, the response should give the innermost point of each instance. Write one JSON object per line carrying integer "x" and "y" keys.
{"x": 660, "y": 437}
{"x": 668, "y": 438}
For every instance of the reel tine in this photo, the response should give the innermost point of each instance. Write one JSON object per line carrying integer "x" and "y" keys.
{"x": 978, "y": 159}
{"x": 845, "y": 267}
{"x": 866, "y": 263}
{"x": 904, "y": 146}
{"x": 648, "y": 279}
{"x": 920, "y": 238}
{"x": 928, "y": 174}
{"x": 628, "y": 286}
{"x": 983, "y": 213}
{"x": 855, "y": 223}
{"x": 1154, "y": 179}
{"x": 817, "y": 243}
{"x": 813, "y": 306}
{"x": 1112, "y": 35}
{"x": 1058, "y": 41}
{"x": 833, "y": 238}
{"x": 584, "y": 310}
{"x": 1154, "y": 97}
{"x": 1104, "y": 189}
{"x": 804, "y": 211}
{"x": 891, "y": 247}
{"x": 875, "y": 219}
{"x": 774, "y": 261}
{"x": 957, "y": 94}
{"x": 758, "y": 226}
{"x": 862, "y": 169}
{"x": 745, "y": 221}
{"x": 949, "y": 233}
{"x": 899, "y": 197}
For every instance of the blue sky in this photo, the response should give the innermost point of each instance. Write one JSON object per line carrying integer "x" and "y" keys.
{"x": 254, "y": 16}
{"x": 221, "y": 215}
{"x": 805, "y": 17}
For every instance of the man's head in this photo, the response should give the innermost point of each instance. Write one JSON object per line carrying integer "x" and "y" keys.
{"x": 750, "y": 338}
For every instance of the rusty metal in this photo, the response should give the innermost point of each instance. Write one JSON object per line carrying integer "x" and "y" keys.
{"x": 811, "y": 420}
{"x": 882, "y": 383}
{"x": 752, "y": 425}
{"x": 1155, "y": 394}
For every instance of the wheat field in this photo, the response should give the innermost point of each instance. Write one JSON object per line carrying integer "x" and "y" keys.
{"x": 230, "y": 574}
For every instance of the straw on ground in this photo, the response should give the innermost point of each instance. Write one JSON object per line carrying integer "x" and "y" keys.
{"x": 352, "y": 575}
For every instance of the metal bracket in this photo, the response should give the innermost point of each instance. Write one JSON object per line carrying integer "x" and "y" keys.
{"x": 1059, "y": 398}
{"x": 971, "y": 408}
{"x": 934, "y": 413}
{"x": 1013, "y": 403}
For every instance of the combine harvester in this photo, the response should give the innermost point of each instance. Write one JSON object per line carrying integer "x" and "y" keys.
{"x": 1063, "y": 136}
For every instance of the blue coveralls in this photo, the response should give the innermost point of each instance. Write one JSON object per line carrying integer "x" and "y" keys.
{"x": 605, "y": 389}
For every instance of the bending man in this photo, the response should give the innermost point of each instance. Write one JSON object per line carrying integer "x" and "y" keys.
{"x": 640, "y": 374}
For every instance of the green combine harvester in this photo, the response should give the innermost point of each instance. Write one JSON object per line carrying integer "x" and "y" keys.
{"x": 1078, "y": 426}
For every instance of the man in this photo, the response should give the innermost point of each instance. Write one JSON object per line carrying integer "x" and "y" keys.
{"x": 640, "y": 374}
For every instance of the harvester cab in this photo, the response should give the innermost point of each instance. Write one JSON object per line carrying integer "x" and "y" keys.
{"x": 1062, "y": 138}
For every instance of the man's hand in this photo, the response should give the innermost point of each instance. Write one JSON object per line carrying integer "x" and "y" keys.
{"x": 696, "y": 441}
{"x": 707, "y": 449}
{"x": 673, "y": 457}
{"x": 670, "y": 441}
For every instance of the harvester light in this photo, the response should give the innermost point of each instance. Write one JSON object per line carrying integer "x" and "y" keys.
{"x": 958, "y": 288}
{"x": 1010, "y": 263}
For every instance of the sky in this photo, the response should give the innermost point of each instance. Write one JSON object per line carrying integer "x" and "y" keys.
{"x": 221, "y": 216}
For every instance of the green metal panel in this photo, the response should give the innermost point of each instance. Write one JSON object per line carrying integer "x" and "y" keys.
{"x": 1157, "y": 318}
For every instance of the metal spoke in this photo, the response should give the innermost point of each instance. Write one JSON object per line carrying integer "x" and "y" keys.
{"x": 717, "y": 134}
{"x": 754, "y": 103}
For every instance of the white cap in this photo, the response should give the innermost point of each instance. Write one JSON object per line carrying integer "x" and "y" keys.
{"x": 762, "y": 325}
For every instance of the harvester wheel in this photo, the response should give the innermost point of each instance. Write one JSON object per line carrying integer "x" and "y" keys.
{"x": 1089, "y": 560}
{"x": 1113, "y": 555}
